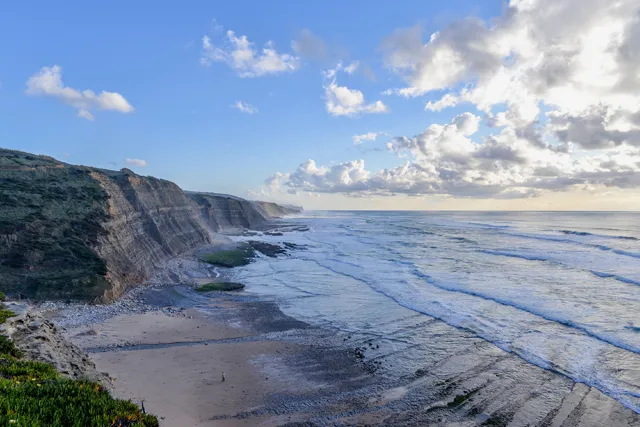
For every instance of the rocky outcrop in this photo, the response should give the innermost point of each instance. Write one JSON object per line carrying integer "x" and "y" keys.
{"x": 74, "y": 232}
{"x": 40, "y": 340}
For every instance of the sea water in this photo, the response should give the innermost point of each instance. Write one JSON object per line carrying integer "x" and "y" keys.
{"x": 560, "y": 290}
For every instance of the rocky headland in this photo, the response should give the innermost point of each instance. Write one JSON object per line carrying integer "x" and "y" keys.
{"x": 82, "y": 233}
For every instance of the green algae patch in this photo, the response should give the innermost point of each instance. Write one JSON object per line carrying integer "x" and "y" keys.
{"x": 237, "y": 257}
{"x": 460, "y": 399}
{"x": 220, "y": 286}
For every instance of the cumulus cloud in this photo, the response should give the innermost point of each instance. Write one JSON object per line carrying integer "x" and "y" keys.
{"x": 579, "y": 59}
{"x": 245, "y": 107}
{"x": 454, "y": 160}
{"x": 242, "y": 56}
{"x": 136, "y": 162}
{"x": 555, "y": 94}
{"x": 343, "y": 101}
{"x": 48, "y": 82}
{"x": 369, "y": 136}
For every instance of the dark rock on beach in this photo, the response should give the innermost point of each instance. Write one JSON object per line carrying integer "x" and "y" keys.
{"x": 267, "y": 249}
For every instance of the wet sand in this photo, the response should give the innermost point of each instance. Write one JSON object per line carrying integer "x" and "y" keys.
{"x": 281, "y": 371}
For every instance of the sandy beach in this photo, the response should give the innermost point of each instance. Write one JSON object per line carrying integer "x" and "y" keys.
{"x": 175, "y": 362}
{"x": 282, "y": 372}
{"x": 182, "y": 384}
{"x": 169, "y": 346}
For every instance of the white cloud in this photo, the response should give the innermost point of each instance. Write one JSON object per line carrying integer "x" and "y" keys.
{"x": 580, "y": 59}
{"x": 48, "y": 82}
{"x": 137, "y": 162}
{"x": 351, "y": 68}
{"x": 369, "y": 136}
{"x": 245, "y": 107}
{"x": 342, "y": 101}
{"x": 448, "y": 160}
{"x": 244, "y": 58}
{"x": 86, "y": 115}
{"x": 556, "y": 82}
{"x": 446, "y": 101}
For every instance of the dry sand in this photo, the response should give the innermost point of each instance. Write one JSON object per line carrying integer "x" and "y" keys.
{"x": 182, "y": 384}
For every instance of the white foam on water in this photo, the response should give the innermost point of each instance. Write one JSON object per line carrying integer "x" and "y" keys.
{"x": 558, "y": 301}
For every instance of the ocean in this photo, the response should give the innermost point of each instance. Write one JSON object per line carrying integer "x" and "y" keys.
{"x": 559, "y": 289}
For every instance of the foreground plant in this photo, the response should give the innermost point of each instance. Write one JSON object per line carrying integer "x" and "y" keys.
{"x": 33, "y": 394}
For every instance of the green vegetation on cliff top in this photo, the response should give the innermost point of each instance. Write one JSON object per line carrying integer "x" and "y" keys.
{"x": 50, "y": 217}
{"x": 33, "y": 394}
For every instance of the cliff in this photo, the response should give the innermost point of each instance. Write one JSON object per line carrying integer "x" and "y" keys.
{"x": 273, "y": 210}
{"x": 148, "y": 221}
{"x": 221, "y": 212}
{"x": 75, "y": 232}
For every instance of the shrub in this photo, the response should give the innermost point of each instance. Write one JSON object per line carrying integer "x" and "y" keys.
{"x": 5, "y": 313}
{"x": 32, "y": 394}
{"x": 54, "y": 214}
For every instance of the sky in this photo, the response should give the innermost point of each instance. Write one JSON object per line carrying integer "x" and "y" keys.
{"x": 482, "y": 105}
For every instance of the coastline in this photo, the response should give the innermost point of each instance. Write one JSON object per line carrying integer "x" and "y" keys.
{"x": 168, "y": 345}
{"x": 280, "y": 371}
{"x": 275, "y": 367}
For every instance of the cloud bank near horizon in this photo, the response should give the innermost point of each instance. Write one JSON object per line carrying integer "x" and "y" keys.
{"x": 554, "y": 87}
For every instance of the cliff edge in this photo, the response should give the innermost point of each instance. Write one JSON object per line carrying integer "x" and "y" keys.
{"x": 76, "y": 232}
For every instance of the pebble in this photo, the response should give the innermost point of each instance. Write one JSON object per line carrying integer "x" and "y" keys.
{"x": 79, "y": 314}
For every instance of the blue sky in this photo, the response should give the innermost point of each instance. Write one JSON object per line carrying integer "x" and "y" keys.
{"x": 184, "y": 126}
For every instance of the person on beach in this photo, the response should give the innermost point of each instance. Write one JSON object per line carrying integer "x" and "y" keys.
{"x": 223, "y": 377}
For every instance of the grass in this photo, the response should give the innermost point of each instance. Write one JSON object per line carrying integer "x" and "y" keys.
{"x": 33, "y": 394}
{"x": 240, "y": 256}
{"x": 220, "y": 286}
{"x": 3, "y": 298}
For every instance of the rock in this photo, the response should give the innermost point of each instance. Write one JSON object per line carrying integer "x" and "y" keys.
{"x": 39, "y": 340}
{"x": 131, "y": 225}
{"x": 267, "y": 249}
{"x": 421, "y": 372}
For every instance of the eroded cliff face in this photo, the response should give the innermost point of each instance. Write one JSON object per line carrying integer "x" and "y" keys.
{"x": 222, "y": 212}
{"x": 274, "y": 210}
{"x": 74, "y": 232}
{"x": 149, "y": 221}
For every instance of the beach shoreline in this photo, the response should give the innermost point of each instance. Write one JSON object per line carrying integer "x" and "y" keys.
{"x": 174, "y": 361}
{"x": 168, "y": 345}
